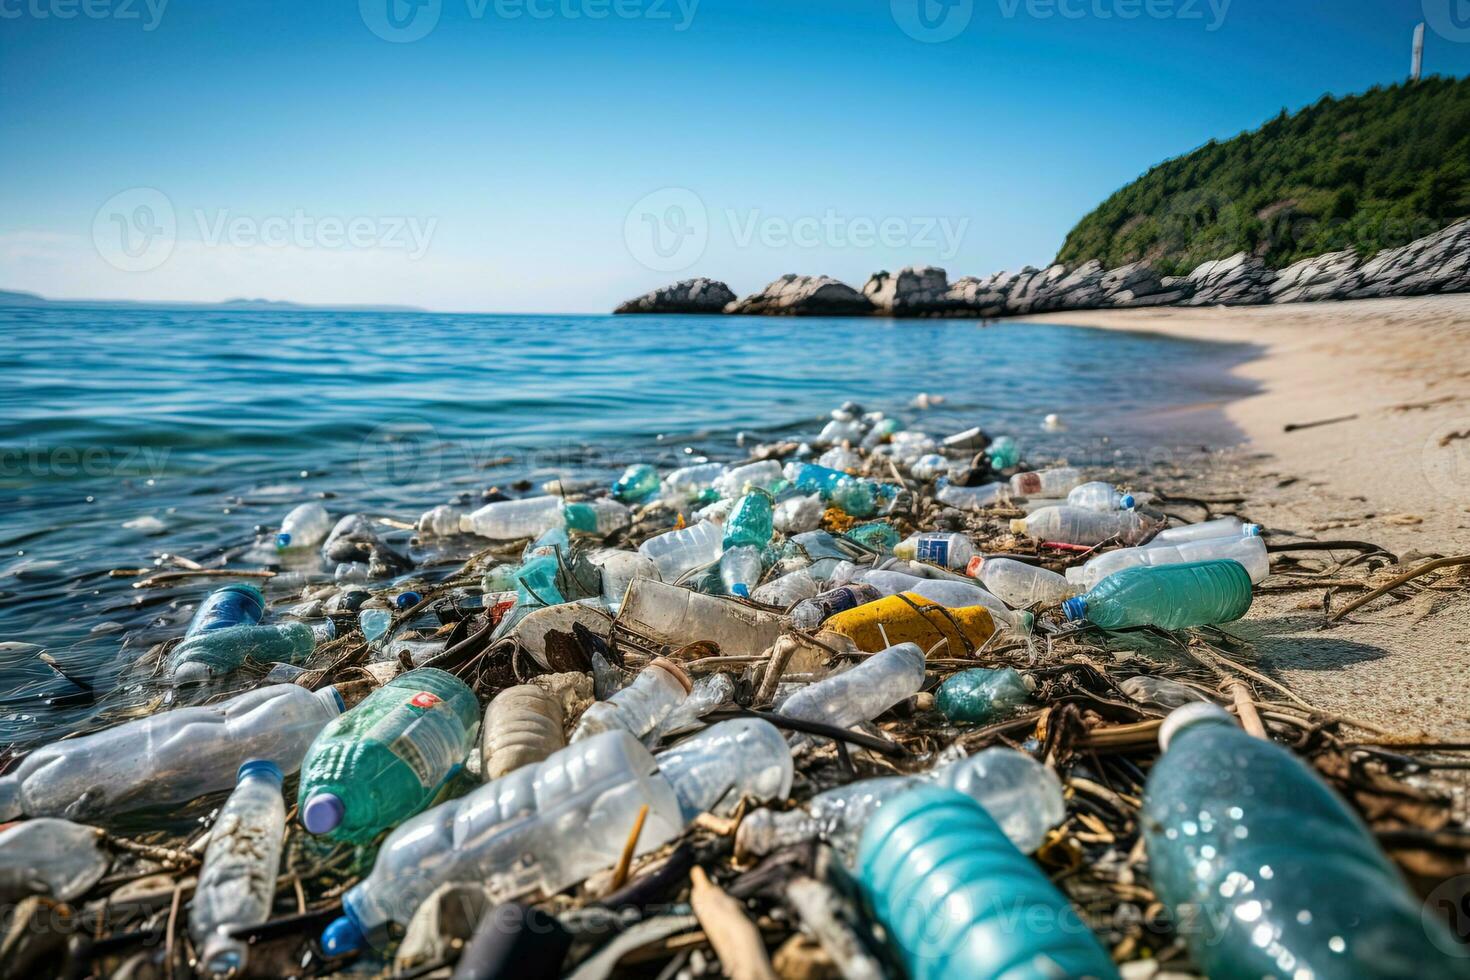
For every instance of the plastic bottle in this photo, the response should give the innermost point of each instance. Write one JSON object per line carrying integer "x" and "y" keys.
{"x": 911, "y": 618}
{"x": 619, "y": 569}
{"x": 1003, "y": 453}
{"x": 707, "y": 694}
{"x": 1099, "y": 496}
{"x": 1280, "y": 874}
{"x": 982, "y": 695}
{"x": 1249, "y": 550}
{"x": 752, "y": 476}
{"x": 947, "y": 550}
{"x": 306, "y": 526}
{"x": 687, "y": 481}
{"x": 1160, "y": 692}
{"x": 840, "y": 458}
{"x": 1021, "y": 794}
{"x": 638, "y": 708}
{"x": 388, "y": 757}
{"x": 552, "y": 824}
{"x": 1220, "y": 527}
{"x": 1076, "y": 525}
{"x": 787, "y": 590}
{"x": 523, "y": 726}
{"x": 675, "y": 616}
{"x": 442, "y": 521}
{"x": 947, "y": 592}
{"x": 676, "y": 552}
{"x": 1018, "y": 584}
{"x": 811, "y": 613}
{"x": 1046, "y": 483}
{"x": 862, "y": 692}
{"x": 855, "y": 496}
{"x": 237, "y": 881}
{"x": 220, "y": 651}
{"x": 1170, "y": 597}
{"x": 55, "y": 858}
{"x": 232, "y": 605}
{"x": 934, "y": 856}
{"x": 970, "y": 498}
{"x": 740, "y": 570}
{"x": 638, "y": 483}
{"x": 511, "y": 520}
{"x": 600, "y": 517}
{"x": 167, "y": 758}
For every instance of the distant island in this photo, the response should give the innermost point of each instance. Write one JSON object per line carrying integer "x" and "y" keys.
{"x": 14, "y": 298}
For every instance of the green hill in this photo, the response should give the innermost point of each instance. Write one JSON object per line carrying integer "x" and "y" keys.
{"x": 1366, "y": 172}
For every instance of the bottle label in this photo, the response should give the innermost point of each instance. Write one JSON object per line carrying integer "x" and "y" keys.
{"x": 424, "y": 699}
{"x": 431, "y": 744}
{"x": 933, "y": 549}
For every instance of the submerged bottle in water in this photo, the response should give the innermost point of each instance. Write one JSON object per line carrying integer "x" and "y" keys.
{"x": 1046, "y": 483}
{"x": 676, "y": 552}
{"x": 1220, "y": 527}
{"x": 1100, "y": 496}
{"x": 638, "y": 483}
{"x": 1170, "y": 597}
{"x": 640, "y": 707}
{"x": 168, "y": 758}
{"x": 232, "y": 605}
{"x": 1244, "y": 836}
{"x": 388, "y": 757}
{"x": 237, "y": 880}
{"x": 862, "y": 692}
{"x": 1018, "y": 584}
{"x": 305, "y": 526}
{"x": 1077, "y": 525}
{"x": 1248, "y": 549}
{"x": 221, "y": 651}
{"x": 46, "y": 856}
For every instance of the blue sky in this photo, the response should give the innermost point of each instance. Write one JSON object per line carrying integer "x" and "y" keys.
{"x": 562, "y": 155}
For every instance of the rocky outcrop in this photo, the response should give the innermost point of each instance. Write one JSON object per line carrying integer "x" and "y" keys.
{"x": 915, "y": 291}
{"x": 794, "y": 295}
{"x": 688, "y": 296}
{"x": 1438, "y": 263}
{"x": 1241, "y": 280}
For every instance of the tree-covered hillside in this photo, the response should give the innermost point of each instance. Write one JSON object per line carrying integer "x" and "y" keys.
{"x": 1365, "y": 172}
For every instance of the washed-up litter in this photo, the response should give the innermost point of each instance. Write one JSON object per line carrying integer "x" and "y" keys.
{"x": 773, "y": 717}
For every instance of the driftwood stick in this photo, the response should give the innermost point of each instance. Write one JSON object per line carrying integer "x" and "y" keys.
{"x": 1408, "y": 576}
{"x": 1245, "y": 708}
{"x": 736, "y": 940}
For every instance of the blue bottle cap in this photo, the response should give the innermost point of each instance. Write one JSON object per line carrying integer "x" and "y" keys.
{"x": 408, "y": 600}
{"x": 283, "y": 540}
{"x": 741, "y": 589}
{"x": 264, "y": 768}
{"x": 342, "y": 936}
{"x": 1074, "y": 608}
{"x": 1127, "y": 501}
{"x": 1251, "y": 530}
{"x": 322, "y": 813}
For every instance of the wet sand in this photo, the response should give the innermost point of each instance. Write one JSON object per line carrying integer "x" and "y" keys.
{"x": 1396, "y": 473}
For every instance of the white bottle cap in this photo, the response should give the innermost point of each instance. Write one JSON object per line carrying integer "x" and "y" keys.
{"x": 1189, "y": 714}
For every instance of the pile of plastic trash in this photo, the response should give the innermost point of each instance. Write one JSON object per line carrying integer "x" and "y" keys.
{"x": 882, "y": 704}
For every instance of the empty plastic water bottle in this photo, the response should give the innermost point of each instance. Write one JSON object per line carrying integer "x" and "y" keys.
{"x": 982, "y": 695}
{"x": 1018, "y": 584}
{"x": 232, "y": 605}
{"x": 947, "y": 592}
{"x": 935, "y": 856}
{"x": 1046, "y": 483}
{"x": 970, "y": 498}
{"x": 1249, "y": 842}
{"x": 221, "y": 651}
{"x": 599, "y": 517}
{"x": 523, "y": 726}
{"x": 387, "y": 758}
{"x": 511, "y": 520}
{"x": 676, "y": 552}
{"x": 787, "y": 590}
{"x": 167, "y": 758}
{"x": 740, "y": 570}
{"x": 1248, "y": 549}
{"x": 237, "y": 881}
{"x": 943, "y": 548}
{"x": 306, "y": 526}
{"x": 752, "y": 476}
{"x": 1170, "y": 597}
{"x": 640, "y": 707}
{"x": 638, "y": 483}
{"x": 707, "y": 694}
{"x": 811, "y": 613}
{"x": 862, "y": 692}
{"x": 1159, "y": 692}
{"x": 750, "y": 522}
{"x": 687, "y": 481}
{"x": 55, "y": 858}
{"x": 619, "y": 569}
{"x": 1220, "y": 527}
{"x": 1077, "y": 525}
{"x": 442, "y": 521}
{"x": 1098, "y": 495}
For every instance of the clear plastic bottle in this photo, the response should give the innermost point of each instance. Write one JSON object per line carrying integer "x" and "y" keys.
{"x": 683, "y": 550}
{"x": 811, "y": 613}
{"x": 946, "y": 592}
{"x": 752, "y": 476}
{"x": 1244, "y": 836}
{"x": 619, "y": 569}
{"x": 862, "y": 692}
{"x": 787, "y": 590}
{"x": 1018, "y": 584}
{"x": 1160, "y": 692}
{"x": 982, "y": 695}
{"x": 707, "y": 694}
{"x": 638, "y": 483}
{"x": 638, "y": 708}
{"x": 948, "y": 550}
{"x": 971, "y": 498}
{"x": 511, "y": 520}
{"x": 388, "y": 757}
{"x": 1098, "y": 495}
{"x": 167, "y": 758}
{"x": 712, "y": 770}
{"x": 55, "y": 858}
{"x": 221, "y": 651}
{"x": 958, "y": 900}
{"x": 1046, "y": 483}
{"x": 306, "y": 526}
{"x": 442, "y": 521}
{"x": 1248, "y": 549}
{"x": 1076, "y": 525}
{"x": 675, "y": 616}
{"x": 599, "y": 517}
{"x": 231, "y": 605}
{"x": 840, "y": 458}
{"x": 523, "y": 726}
{"x": 1171, "y": 597}
{"x": 740, "y": 569}
{"x": 237, "y": 880}
{"x": 1220, "y": 527}
{"x": 688, "y": 481}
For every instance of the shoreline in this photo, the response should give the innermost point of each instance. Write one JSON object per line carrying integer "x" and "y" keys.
{"x": 1397, "y": 473}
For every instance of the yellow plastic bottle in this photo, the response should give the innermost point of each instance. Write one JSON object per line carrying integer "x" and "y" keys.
{"x": 910, "y": 618}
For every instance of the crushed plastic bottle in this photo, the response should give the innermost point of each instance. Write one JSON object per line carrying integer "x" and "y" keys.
{"x": 55, "y": 858}
{"x": 167, "y": 758}
{"x": 1170, "y": 597}
{"x": 619, "y": 569}
{"x": 1248, "y": 549}
{"x": 523, "y": 726}
{"x": 677, "y": 552}
{"x": 640, "y": 707}
{"x": 387, "y": 758}
{"x": 1244, "y": 836}
{"x": 1220, "y": 527}
{"x": 878, "y": 536}
{"x": 638, "y": 482}
{"x": 1054, "y": 482}
{"x": 943, "y": 548}
{"x": 231, "y": 605}
{"x": 911, "y": 618}
{"x": 707, "y": 694}
{"x": 982, "y": 695}
{"x": 787, "y": 590}
{"x": 237, "y": 880}
{"x": 862, "y": 692}
{"x": 947, "y": 592}
{"x": 306, "y": 526}
{"x": 1077, "y": 525}
{"x": 1100, "y": 496}
{"x": 1017, "y": 583}
{"x": 809, "y": 614}
{"x": 222, "y": 651}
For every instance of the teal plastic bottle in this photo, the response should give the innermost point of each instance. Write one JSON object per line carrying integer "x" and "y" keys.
{"x": 1003, "y": 453}
{"x": 382, "y": 762}
{"x": 1274, "y": 872}
{"x": 220, "y": 651}
{"x": 638, "y": 483}
{"x": 1171, "y": 597}
{"x": 982, "y": 695}
{"x": 960, "y": 902}
{"x": 750, "y": 522}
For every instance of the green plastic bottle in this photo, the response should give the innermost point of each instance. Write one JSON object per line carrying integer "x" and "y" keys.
{"x": 638, "y": 483}
{"x": 878, "y": 535}
{"x": 220, "y": 651}
{"x": 750, "y": 522}
{"x": 1170, "y": 597}
{"x": 982, "y": 695}
{"x": 1003, "y": 453}
{"x": 1268, "y": 872}
{"x": 382, "y": 762}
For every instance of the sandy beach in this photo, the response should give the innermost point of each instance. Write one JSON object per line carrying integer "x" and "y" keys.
{"x": 1394, "y": 471}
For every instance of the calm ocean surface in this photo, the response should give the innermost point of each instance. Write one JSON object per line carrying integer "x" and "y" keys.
{"x": 127, "y": 433}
